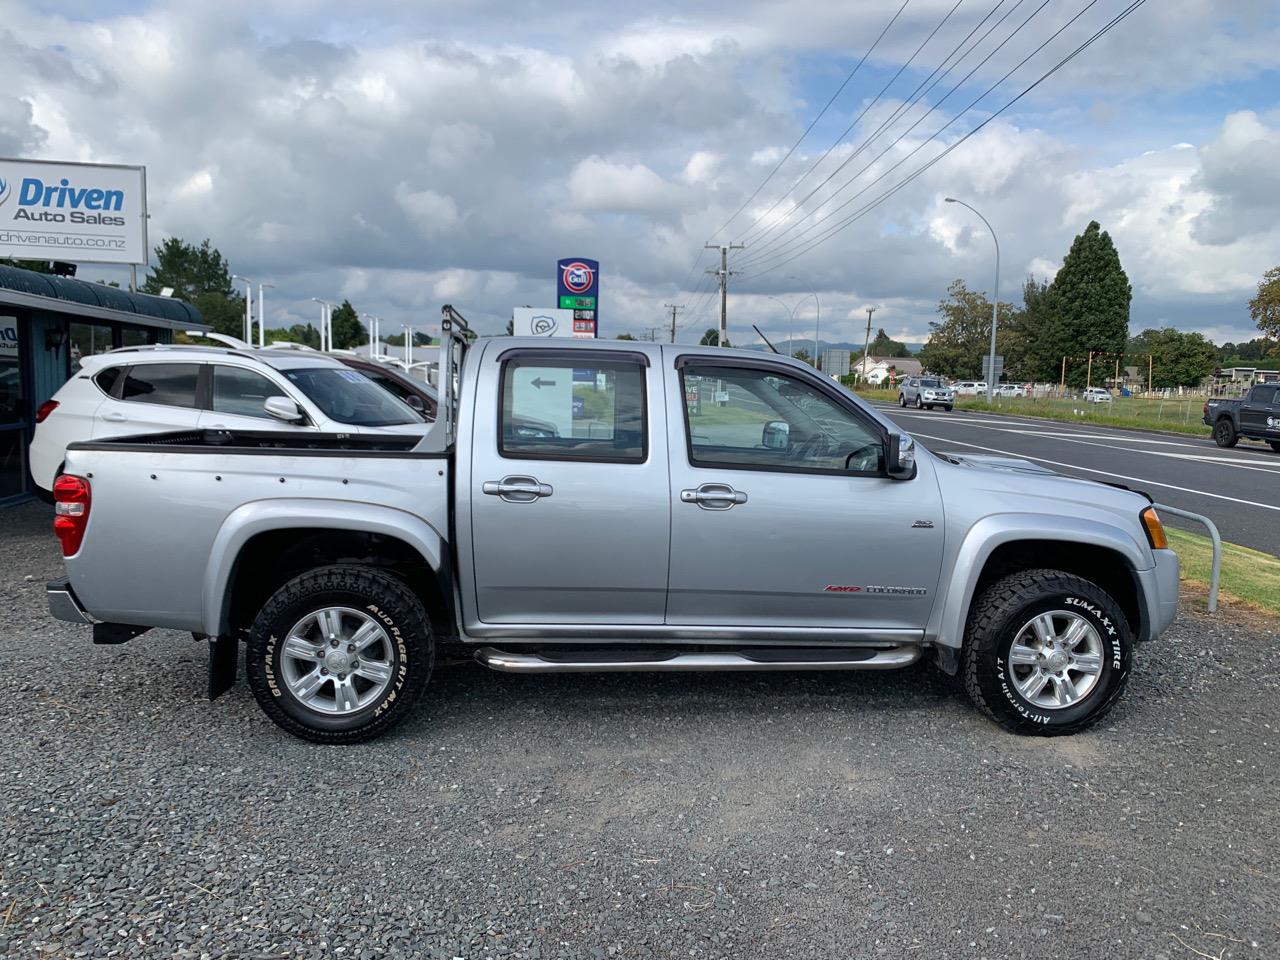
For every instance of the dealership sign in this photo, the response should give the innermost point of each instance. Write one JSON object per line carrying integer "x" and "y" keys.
{"x": 578, "y": 289}
{"x": 79, "y": 212}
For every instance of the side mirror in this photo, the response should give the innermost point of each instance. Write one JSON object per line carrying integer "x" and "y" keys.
{"x": 415, "y": 401}
{"x": 900, "y": 457}
{"x": 282, "y": 408}
{"x": 776, "y": 435}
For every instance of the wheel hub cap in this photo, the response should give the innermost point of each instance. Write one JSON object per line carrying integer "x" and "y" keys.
{"x": 337, "y": 660}
{"x": 1055, "y": 660}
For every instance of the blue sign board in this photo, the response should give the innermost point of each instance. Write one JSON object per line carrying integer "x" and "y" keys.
{"x": 578, "y": 289}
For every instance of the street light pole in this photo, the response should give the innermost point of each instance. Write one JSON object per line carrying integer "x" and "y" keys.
{"x": 817, "y": 321}
{"x": 995, "y": 302}
{"x": 262, "y": 314}
{"x": 248, "y": 307}
{"x": 326, "y": 331}
{"x": 791, "y": 327}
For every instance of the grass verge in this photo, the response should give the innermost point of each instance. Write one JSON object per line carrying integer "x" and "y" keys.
{"x": 1249, "y": 576}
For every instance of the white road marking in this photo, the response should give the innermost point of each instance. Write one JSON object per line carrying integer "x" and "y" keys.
{"x": 1105, "y": 473}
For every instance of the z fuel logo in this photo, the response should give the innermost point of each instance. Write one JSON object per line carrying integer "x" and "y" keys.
{"x": 578, "y": 277}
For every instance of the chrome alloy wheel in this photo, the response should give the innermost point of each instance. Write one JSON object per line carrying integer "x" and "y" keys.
{"x": 1056, "y": 660}
{"x": 337, "y": 660}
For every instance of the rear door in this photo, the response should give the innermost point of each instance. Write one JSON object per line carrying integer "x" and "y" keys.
{"x": 569, "y": 506}
{"x": 153, "y": 398}
{"x": 782, "y": 515}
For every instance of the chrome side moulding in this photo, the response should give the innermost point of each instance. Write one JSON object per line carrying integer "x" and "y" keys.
{"x": 595, "y": 661}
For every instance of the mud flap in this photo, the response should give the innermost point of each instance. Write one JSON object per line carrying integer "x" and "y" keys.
{"x": 224, "y": 654}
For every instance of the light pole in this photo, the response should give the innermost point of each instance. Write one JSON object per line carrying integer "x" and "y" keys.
{"x": 817, "y": 321}
{"x": 995, "y": 302}
{"x": 326, "y": 334}
{"x": 373, "y": 334}
{"x": 262, "y": 314}
{"x": 248, "y": 307}
{"x": 791, "y": 328}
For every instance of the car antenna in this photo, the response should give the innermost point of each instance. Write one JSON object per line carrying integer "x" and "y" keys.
{"x": 764, "y": 338}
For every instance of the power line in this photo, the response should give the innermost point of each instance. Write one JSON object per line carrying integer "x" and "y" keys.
{"x": 922, "y": 90}
{"x": 774, "y": 245}
{"x": 865, "y": 209}
{"x": 835, "y": 143}
{"x": 814, "y": 121}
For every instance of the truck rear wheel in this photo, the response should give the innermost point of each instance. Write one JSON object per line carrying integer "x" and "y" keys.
{"x": 1275, "y": 445}
{"x": 339, "y": 654}
{"x": 1224, "y": 434}
{"x": 1045, "y": 653}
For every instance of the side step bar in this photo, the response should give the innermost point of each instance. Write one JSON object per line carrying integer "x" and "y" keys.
{"x": 771, "y": 658}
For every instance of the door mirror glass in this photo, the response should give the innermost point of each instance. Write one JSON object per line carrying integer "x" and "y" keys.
{"x": 776, "y": 435}
{"x": 415, "y": 401}
{"x": 900, "y": 457}
{"x": 282, "y": 408}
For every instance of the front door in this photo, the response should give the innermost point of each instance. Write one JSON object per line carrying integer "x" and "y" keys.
{"x": 782, "y": 515}
{"x": 1259, "y": 408}
{"x": 570, "y": 515}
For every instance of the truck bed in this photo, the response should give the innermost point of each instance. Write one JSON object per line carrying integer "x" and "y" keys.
{"x": 210, "y": 491}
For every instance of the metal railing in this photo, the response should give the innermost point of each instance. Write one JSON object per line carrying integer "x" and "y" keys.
{"x": 1216, "y": 537}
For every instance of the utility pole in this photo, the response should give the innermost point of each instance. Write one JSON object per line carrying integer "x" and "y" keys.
{"x": 723, "y": 275}
{"x": 1088, "y": 379}
{"x": 652, "y": 335}
{"x": 1062, "y": 387}
{"x": 866, "y": 344}
{"x": 674, "y": 308}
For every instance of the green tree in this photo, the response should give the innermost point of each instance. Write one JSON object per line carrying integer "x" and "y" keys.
{"x": 1264, "y": 306}
{"x": 711, "y": 338}
{"x": 1086, "y": 308}
{"x": 510, "y": 331}
{"x": 885, "y": 346}
{"x": 802, "y": 355}
{"x": 959, "y": 341}
{"x": 1178, "y": 359}
{"x": 348, "y": 331}
{"x": 298, "y": 333}
{"x": 199, "y": 275}
{"x": 624, "y": 336}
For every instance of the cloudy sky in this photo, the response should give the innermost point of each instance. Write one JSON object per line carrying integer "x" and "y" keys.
{"x": 407, "y": 155}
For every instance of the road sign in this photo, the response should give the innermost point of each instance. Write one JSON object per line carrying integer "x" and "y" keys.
{"x": 986, "y": 368}
{"x": 578, "y": 289}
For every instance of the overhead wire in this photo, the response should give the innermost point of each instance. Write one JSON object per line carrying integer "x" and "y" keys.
{"x": 777, "y": 243}
{"x": 868, "y": 207}
{"x": 923, "y": 88}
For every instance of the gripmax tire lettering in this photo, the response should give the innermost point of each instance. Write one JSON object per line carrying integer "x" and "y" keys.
{"x": 1002, "y": 609}
{"x": 379, "y": 594}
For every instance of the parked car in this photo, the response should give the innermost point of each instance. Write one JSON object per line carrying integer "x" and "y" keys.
{"x": 1256, "y": 417}
{"x": 416, "y": 393}
{"x": 926, "y": 392}
{"x": 971, "y": 388}
{"x": 1096, "y": 395}
{"x": 137, "y": 390}
{"x": 1008, "y": 390}
{"x": 792, "y": 527}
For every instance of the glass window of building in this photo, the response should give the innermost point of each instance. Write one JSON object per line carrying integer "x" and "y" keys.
{"x": 88, "y": 340}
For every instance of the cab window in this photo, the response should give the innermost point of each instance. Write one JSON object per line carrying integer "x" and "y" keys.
{"x": 765, "y": 419}
{"x": 570, "y": 409}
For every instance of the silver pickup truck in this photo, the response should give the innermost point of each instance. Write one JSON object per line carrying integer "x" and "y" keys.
{"x": 693, "y": 509}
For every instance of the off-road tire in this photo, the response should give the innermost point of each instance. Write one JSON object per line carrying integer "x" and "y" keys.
{"x": 380, "y": 595}
{"x": 1001, "y": 611}
{"x": 919, "y": 403}
{"x": 902, "y": 400}
{"x": 1275, "y": 445}
{"x": 1224, "y": 433}
{"x": 947, "y": 407}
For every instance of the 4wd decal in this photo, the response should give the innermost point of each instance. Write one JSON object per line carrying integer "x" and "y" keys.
{"x": 877, "y": 590}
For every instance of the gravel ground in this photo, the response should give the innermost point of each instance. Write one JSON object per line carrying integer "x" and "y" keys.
{"x": 771, "y": 816}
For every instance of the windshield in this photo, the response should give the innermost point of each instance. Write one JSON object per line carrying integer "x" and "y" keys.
{"x": 930, "y": 383}
{"x": 348, "y": 396}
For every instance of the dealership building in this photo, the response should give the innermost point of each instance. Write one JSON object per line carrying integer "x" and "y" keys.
{"x": 47, "y": 325}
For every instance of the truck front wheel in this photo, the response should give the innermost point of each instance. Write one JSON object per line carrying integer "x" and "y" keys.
{"x": 1275, "y": 445}
{"x": 1224, "y": 434}
{"x": 339, "y": 654}
{"x": 1045, "y": 653}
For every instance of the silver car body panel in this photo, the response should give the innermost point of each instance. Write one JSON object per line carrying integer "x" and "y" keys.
{"x": 613, "y": 555}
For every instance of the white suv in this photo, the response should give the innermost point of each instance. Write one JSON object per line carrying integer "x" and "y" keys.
{"x": 1096, "y": 395}
{"x": 139, "y": 390}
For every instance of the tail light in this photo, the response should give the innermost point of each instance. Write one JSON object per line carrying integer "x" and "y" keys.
{"x": 1155, "y": 529}
{"x": 46, "y": 408}
{"x": 71, "y": 512}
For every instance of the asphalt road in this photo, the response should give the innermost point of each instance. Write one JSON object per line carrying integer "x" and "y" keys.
{"x": 1239, "y": 489}
{"x": 735, "y": 816}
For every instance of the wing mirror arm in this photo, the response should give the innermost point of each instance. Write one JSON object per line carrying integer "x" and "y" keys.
{"x": 900, "y": 457}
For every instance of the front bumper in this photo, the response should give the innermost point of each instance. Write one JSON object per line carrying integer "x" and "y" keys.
{"x": 63, "y": 604}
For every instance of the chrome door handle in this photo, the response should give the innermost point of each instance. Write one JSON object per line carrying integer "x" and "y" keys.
{"x": 517, "y": 489}
{"x": 115, "y": 417}
{"x": 713, "y": 496}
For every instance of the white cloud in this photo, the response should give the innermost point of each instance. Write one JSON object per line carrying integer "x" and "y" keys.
{"x": 597, "y": 185}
